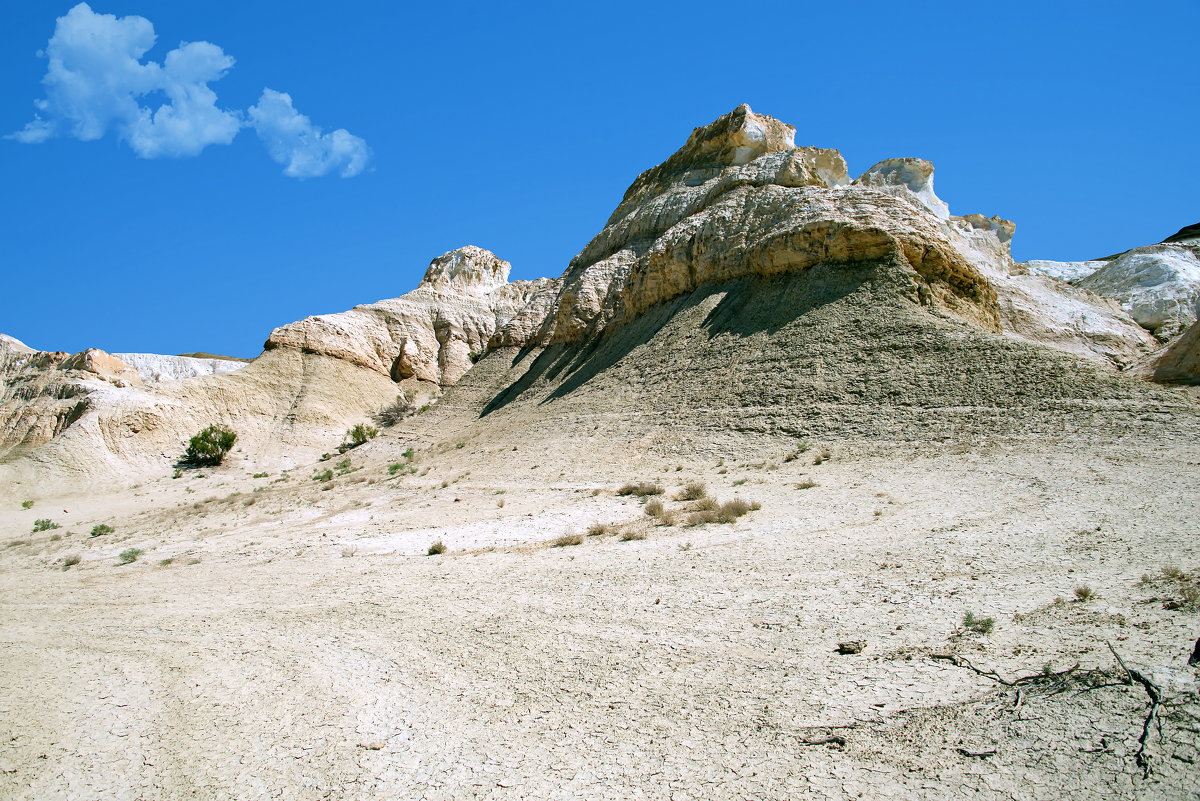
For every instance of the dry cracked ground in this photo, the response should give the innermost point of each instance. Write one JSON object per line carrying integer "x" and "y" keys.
{"x": 284, "y": 637}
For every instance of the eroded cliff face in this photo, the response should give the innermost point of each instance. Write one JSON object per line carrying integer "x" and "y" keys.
{"x": 1158, "y": 285}
{"x": 740, "y": 199}
{"x": 432, "y": 333}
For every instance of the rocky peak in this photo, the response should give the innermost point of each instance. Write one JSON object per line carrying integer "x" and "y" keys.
{"x": 733, "y": 139}
{"x": 915, "y": 174}
{"x": 467, "y": 268}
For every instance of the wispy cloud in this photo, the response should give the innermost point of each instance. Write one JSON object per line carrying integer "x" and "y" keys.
{"x": 305, "y": 152}
{"x": 96, "y": 82}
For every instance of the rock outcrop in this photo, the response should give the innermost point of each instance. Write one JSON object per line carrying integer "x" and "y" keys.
{"x": 740, "y": 199}
{"x": 1177, "y": 363}
{"x": 1158, "y": 285}
{"x": 155, "y": 367}
{"x": 433, "y": 333}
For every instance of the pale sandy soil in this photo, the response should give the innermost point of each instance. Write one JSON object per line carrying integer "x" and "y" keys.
{"x": 301, "y": 645}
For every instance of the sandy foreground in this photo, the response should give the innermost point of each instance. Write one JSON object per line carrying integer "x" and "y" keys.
{"x": 300, "y": 644}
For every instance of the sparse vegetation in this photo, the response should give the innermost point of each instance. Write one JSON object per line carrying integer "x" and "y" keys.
{"x": 324, "y": 475}
{"x": 100, "y": 529}
{"x": 210, "y": 446}
{"x": 343, "y": 467}
{"x": 459, "y": 445}
{"x": 260, "y": 475}
{"x": 978, "y": 625}
{"x": 600, "y": 529}
{"x": 166, "y": 562}
{"x": 396, "y": 411}
{"x": 824, "y": 456}
{"x": 692, "y": 491}
{"x": 475, "y": 356}
{"x": 409, "y": 454}
{"x": 709, "y": 511}
{"x": 1084, "y": 594}
{"x": 26, "y": 504}
{"x": 44, "y": 524}
{"x": 654, "y": 508}
{"x": 359, "y": 435}
{"x": 630, "y": 535}
{"x": 400, "y": 467}
{"x": 740, "y": 482}
{"x": 640, "y": 489}
{"x": 177, "y": 473}
{"x": 1184, "y": 588}
{"x": 567, "y": 539}
{"x": 71, "y": 560}
{"x": 437, "y": 549}
{"x": 130, "y": 555}
{"x": 807, "y": 483}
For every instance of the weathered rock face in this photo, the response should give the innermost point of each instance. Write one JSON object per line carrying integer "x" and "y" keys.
{"x": 431, "y": 333}
{"x": 1177, "y": 363}
{"x": 1158, "y": 285}
{"x": 155, "y": 367}
{"x": 739, "y": 199}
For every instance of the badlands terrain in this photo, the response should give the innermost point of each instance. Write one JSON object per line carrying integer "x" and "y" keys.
{"x": 965, "y": 562}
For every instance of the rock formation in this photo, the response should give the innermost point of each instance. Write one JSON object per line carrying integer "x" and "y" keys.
{"x": 432, "y": 333}
{"x": 1158, "y": 285}
{"x": 741, "y": 199}
{"x": 743, "y": 277}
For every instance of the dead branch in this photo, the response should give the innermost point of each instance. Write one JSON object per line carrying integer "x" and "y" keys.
{"x": 1155, "y": 692}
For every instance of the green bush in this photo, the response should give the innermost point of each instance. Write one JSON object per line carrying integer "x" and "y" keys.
{"x": 130, "y": 555}
{"x": 437, "y": 549}
{"x": 26, "y": 504}
{"x": 210, "y": 446}
{"x": 100, "y": 529}
{"x": 44, "y": 524}
{"x": 326, "y": 475}
{"x": 358, "y": 435}
{"x": 978, "y": 625}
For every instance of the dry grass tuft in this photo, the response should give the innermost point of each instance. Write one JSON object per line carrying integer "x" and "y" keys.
{"x": 600, "y": 529}
{"x": 437, "y": 549}
{"x": 693, "y": 491}
{"x": 567, "y": 539}
{"x": 641, "y": 489}
{"x": 630, "y": 536}
{"x": 655, "y": 508}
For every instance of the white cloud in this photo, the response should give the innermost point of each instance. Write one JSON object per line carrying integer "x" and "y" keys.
{"x": 96, "y": 82}
{"x": 292, "y": 140}
{"x": 96, "y": 77}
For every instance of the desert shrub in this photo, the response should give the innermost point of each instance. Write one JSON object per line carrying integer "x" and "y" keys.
{"x": 260, "y": 475}
{"x": 359, "y": 435}
{"x": 807, "y": 483}
{"x": 437, "y": 549}
{"x": 343, "y": 467}
{"x": 100, "y": 529}
{"x": 706, "y": 504}
{"x": 130, "y": 555}
{"x": 567, "y": 539}
{"x": 702, "y": 517}
{"x": 26, "y": 504}
{"x": 1184, "y": 587}
{"x": 176, "y": 473}
{"x": 978, "y": 625}
{"x": 395, "y": 411}
{"x": 475, "y": 356}
{"x": 629, "y": 536}
{"x": 44, "y": 524}
{"x": 324, "y": 475}
{"x": 732, "y": 510}
{"x": 395, "y": 467}
{"x": 71, "y": 560}
{"x": 459, "y": 445}
{"x": 600, "y": 529}
{"x": 210, "y": 446}
{"x": 740, "y": 482}
{"x": 654, "y": 508}
{"x": 166, "y": 562}
{"x": 824, "y": 456}
{"x": 641, "y": 488}
{"x": 1084, "y": 594}
{"x": 693, "y": 491}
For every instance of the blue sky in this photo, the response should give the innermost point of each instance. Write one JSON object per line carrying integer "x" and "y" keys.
{"x": 517, "y": 128}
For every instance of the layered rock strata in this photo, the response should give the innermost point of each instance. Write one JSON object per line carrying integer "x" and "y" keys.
{"x": 433, "y": 333}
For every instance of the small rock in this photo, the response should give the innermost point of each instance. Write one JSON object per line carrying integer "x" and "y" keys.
{"x": 851, "y": 647}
